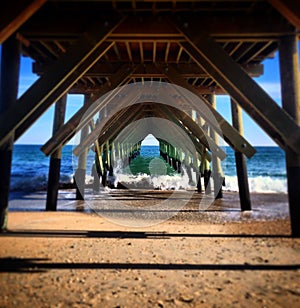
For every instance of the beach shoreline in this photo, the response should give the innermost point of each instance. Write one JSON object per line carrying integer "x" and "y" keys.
{"x": 265, "y": 206}
{"x": 81, "y": 259}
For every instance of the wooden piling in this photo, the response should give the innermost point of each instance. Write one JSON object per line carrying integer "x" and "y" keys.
{"x": 81, "y": 169}
{"x": 216, "y": 162}
{"x": 290, "y": 93}
{"x": 199, "y": 185}
{"x": 55, "y": 159}
{"x": 10, "y": 66}
{"x": 240, "y": 160}
{"x": 97, "y": 167}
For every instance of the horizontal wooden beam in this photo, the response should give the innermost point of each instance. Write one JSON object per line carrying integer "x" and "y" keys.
{"x": 201, "y": 90}
{"x": 69, "y": 27}
{"x": 253, "y": 99}
{"x": 187, "y": 70}
{"x": 58, "y": 79}
{"x": 14, "y": 13}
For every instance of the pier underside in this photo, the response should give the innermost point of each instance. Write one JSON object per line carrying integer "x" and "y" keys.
{"x": 158, "y": 62}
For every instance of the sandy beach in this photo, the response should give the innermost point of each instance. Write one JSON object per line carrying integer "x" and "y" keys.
{"x": 220, "y": 257}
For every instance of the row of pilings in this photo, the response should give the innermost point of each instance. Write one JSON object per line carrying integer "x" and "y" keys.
{"x": 107, "y": 157}
{"x": 181, "y": 163}
{"x": 108, "y": 154}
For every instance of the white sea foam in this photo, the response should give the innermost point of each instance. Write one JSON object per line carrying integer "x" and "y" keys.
{"x": 163, "y": 182}
{"x": 260, "y": 184}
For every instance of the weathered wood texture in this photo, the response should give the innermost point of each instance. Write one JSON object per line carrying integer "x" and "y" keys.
{"x": 240, "y": 160}
{"x": 258, "y": 104}
{"x": 14, "y": 13}
{"x": 290, "y": 9}
{"x": 59, "y": 78}
{"x": 231, "y": 135}
{"x": 55, "y": 159}
{"x": 77, "y": 121}
{"x": 10, "y": 65}
{"x": 290, "y": 92}
{"x": 81, "y": 168}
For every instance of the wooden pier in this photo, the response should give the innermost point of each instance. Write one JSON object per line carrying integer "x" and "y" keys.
{"x": 114, "y": 52}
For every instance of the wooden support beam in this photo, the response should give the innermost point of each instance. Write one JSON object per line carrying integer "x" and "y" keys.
{"x": 259, "y": 105}
{"x": 179, "y": 54}
{"x": 244, "y": 51}
{"x": 141, "y": 51}
{"x": 81, "y": 168}
{"x": 128, "y": 51}
{"x": 68, "y": 130}
{"x": 59, "y": 78}
{"x": 167, "y": 52}
{"x": 240, "y": 160}
{"x": 219, "y": 26}
{"x": 217, "y": 172}
{"x": 10, "y": 66}
{"x": 171, "y": 116}
{"x": 197, "y": 132}
{"x": 109, "y": 132}
{"x": 115, "y": 126}
{"x": 59, "y": 89}
{"x": 290, "y": 9}
{"x": 231, "y": 135}
{"x": 111, "y": 128}
{"x": 116, "y": 50}
{"x": 290, "y": 93}
{"x": 239, "y": 27}
{"x": 122, "y": 118}
{"x": 154, "y": 52}
{"x": 104, "y": 69}
{"x": 55, "y": 159}
{"x": 60, "y": 47}
{"x": 14, "y": 13}
{"x": 51, "y": 51}
{"x": 258, "y": 52}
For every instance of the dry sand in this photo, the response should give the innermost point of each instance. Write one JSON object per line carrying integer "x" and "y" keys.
{"x": 217, "y": 258}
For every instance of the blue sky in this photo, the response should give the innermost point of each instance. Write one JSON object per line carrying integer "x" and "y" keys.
{"x": 41, "y": 131}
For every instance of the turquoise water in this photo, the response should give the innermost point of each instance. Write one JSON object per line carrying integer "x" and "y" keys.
{"x": 266, "y": 169}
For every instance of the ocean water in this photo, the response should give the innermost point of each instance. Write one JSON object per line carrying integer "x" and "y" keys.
{"x": 266, "y": 170}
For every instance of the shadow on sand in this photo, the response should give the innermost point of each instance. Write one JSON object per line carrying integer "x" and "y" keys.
{"x": 128, "y": 234}
{"x": 36, "y": 265}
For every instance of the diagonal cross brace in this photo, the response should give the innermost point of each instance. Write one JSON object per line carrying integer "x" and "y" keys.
{"x": 57, "y": 80}
{"x": 231, "y": 135}
{"x": 76, "y": 122}
{"x": 14, "y": 13}
{"x": 62, "y": 89}
{"x": 252, "y": 98}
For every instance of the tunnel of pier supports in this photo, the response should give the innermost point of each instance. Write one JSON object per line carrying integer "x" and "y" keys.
{"x": 94, "y": 50}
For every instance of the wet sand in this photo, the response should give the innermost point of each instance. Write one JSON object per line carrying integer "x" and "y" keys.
{"x": 218, "y": 257}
